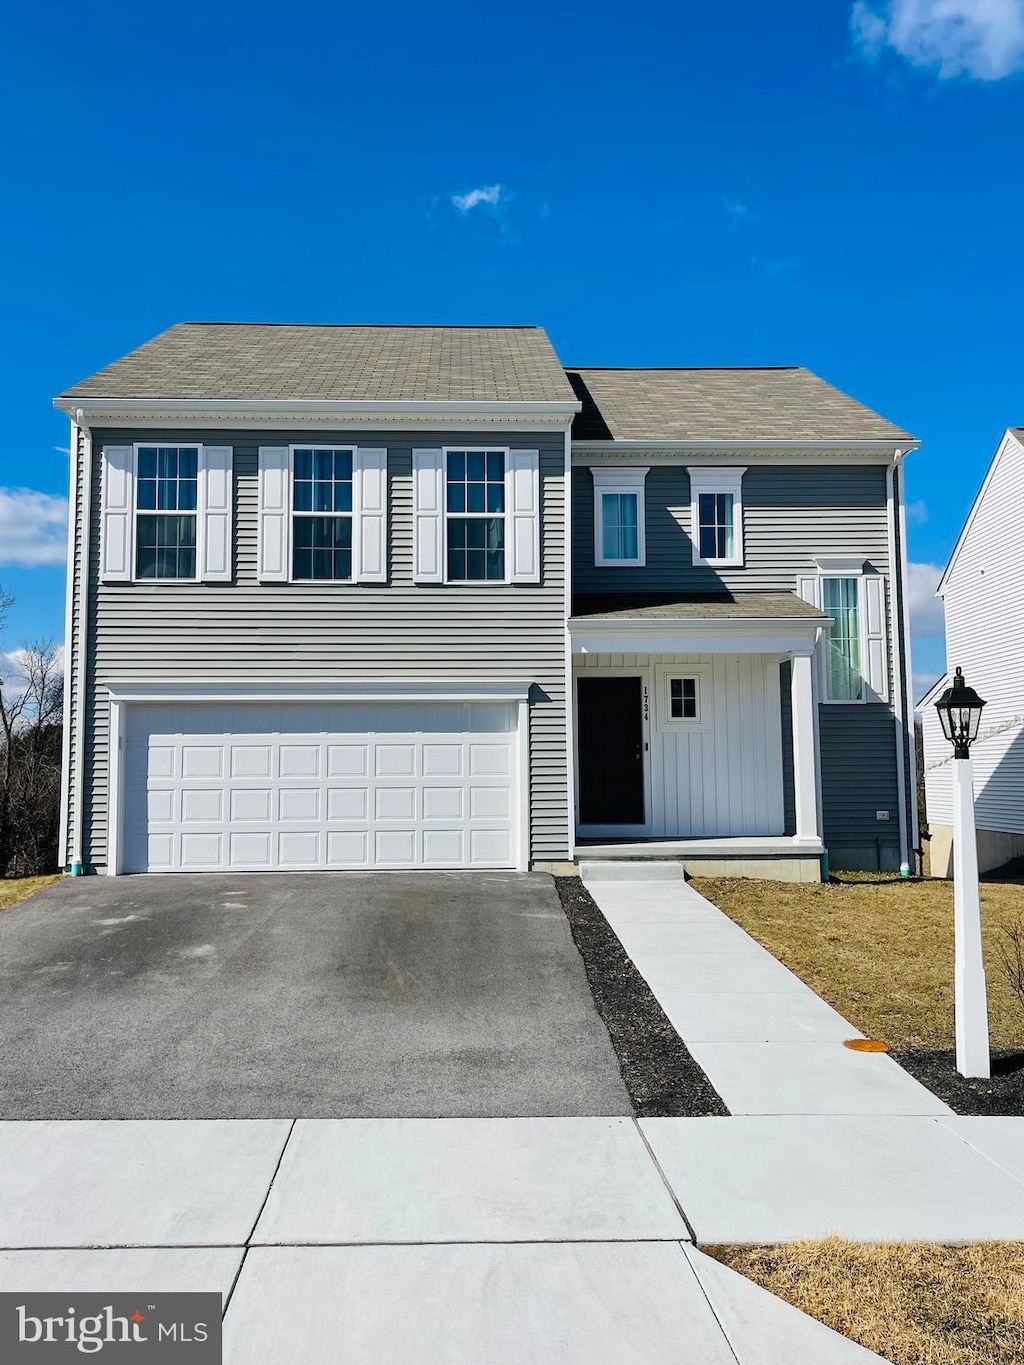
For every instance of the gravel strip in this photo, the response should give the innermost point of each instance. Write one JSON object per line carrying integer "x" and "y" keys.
{"x": 662, "y": 1078}
{"x": 1002, "y": 1095}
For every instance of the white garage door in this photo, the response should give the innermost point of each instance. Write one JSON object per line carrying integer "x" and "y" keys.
{"x": 320, "y": 785}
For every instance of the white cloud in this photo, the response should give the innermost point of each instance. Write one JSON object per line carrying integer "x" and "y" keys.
{"x": 979, "y": 38}
{"x": 33, "y": 527}
{"x": 486, "y": 194}
{"x": 926, "y": 615}
{"x": 917, "y": 512}
{"x": 736, "y": 211}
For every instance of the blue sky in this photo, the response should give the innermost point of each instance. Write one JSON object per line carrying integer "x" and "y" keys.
{"x": 829, "y": 184}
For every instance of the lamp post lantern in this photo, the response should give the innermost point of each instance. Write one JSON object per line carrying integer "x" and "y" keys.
{"x": 959, "y": 710}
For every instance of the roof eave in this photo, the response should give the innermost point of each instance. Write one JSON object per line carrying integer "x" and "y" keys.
{"x": 887, "y": 444}
{"x": 556, "y": 413}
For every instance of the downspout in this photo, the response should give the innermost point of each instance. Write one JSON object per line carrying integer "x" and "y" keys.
{"x": 81, "y": 649}
{"x": 896, "y": 571}
{"x": 570, "y": 743}
{"x": 908, "y": 672}
{"x": 69, "y": 619}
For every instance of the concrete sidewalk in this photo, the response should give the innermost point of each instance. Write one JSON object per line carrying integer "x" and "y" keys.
{"x": 439, "y": 1240}
{"x": 766, "y": 1042}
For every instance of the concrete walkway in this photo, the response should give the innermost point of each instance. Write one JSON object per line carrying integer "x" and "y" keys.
{"x": 427, "y": 1240}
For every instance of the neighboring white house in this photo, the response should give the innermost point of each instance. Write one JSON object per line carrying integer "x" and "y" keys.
{"x": 982, "y": 591}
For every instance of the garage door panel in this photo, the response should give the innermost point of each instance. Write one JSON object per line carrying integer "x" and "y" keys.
{"x": 268, "y": 794}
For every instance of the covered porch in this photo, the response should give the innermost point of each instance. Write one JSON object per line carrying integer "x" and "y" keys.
{"x": 696, "y": 736}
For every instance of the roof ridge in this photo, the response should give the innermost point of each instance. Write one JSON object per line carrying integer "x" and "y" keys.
{"x": 680, "y": 369}
{"x": 375, "y": 326}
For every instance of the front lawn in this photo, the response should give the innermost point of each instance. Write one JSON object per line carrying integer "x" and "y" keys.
{"x": 913, "y": 1303}
{"x": 879, "y": 949}
{"x": 15, "y": 889}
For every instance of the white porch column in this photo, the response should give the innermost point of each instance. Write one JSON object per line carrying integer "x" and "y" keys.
{"x": 805, "y": 750}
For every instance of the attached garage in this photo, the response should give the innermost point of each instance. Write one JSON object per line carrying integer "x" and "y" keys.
{"x": 322, "y": 784}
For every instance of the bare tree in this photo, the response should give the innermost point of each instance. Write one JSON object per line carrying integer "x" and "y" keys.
{"x": 31, "y": 708}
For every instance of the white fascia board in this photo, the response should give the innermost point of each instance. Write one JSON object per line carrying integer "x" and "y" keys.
{"x": 231, "y": 690}
{"x": 117, "y": 412}
{"x": 1007, "y": 438}
{"x": 772, "y": 451}
{"x": 665, "y": 636}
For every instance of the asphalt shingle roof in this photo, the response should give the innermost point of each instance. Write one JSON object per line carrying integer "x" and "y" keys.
{"x": 725, "y": 606}
{"x": 741, "y": 404}
{"x": 242, "y": 360}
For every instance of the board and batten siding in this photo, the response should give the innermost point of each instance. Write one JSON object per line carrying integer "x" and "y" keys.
{"x": 792, "y": 514}
{"x": 724, "y": 778}
{"x": 261, "y": 634}
{"x": 984, "y": 606}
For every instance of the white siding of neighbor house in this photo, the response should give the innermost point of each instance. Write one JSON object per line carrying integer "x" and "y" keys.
{"x": 722, "y": 780}
{"x": 984, "y": 604}
{"x": 287, "y": 634}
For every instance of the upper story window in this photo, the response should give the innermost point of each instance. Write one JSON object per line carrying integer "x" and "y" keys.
{"x": 475, "y": 515}
{"x": 619, "y": 516}
{"x": 166, "y": 500}
{"x": 322, "y": 513}
{"x": 716, "y": 516}
{"x": 844, "y": 679}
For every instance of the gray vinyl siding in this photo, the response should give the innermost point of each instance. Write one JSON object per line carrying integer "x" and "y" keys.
{"x": 858, "y": 778}
{"x": 792, "y": 513}
{"x": 289, "y": 633}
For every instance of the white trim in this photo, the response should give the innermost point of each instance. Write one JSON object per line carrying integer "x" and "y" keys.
{"x": 82, "y": 651}
{"x": 715, "y": 479}
{"x": 630, "y": 482}
{"x": 649, "y": 635}
{"x": 666, "y": 722}
{"x": 755, "y": 443}
{"x": 121, "y": 695}
{"x": 69, "y": 617}
{"x": 850, "y": 566}
{"x": 325, "y": 690}
{"x": 521, "y": 838}
{"x": 805, "y": 751}
{"x": 570, "y": 691}
{"x": 435, "y": 414}
{"x": 644, "y": 673}
{"x": 1007, "y": 437}
{"x": 506, "y": 520}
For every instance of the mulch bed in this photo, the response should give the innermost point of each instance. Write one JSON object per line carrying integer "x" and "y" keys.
{"x": 661, "y": 1077}
{"x": 1003, "y": 1094}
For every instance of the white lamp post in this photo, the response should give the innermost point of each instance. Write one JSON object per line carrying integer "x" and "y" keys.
{"x": 959, "y": 710}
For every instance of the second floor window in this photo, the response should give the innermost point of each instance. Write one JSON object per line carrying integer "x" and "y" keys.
{"x": 843, "y": 672}
{"x": 619, "y": 516}
{"x": 475, "y": 515}
{"x": 716, "y": 512}
{"x": 322, "y": 514}
{"x": 166, "y": 499}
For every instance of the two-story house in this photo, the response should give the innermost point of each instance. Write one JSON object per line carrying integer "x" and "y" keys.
{"x": 982, "y": 591}
{"x": 332, "y": 605}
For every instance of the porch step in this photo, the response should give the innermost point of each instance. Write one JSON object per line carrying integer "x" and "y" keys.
{"x": 636, "y": 870}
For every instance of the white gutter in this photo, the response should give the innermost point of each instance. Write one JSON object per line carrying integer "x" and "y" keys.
{"x": 908, "y": 674}
{"x": 750, "y": 443}
{"x": 899, "y": 679}
{"x": 81, "y": 649}
{"x": 69, "y": 602}
{"x": 118, "y": 411}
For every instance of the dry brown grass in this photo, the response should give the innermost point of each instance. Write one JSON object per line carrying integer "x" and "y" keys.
{"x": 912, "y": 1302}
{"x": 879, "y": 949}
{"x": 15, "y": 889}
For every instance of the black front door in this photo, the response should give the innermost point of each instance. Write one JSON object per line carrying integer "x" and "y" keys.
{"x": 610, "y": 734}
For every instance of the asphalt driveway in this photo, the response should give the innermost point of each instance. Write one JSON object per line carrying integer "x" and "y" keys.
{"x": 311, "y": 996}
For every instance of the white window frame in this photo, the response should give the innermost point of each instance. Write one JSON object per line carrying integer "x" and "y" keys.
{"x": 505, "y": 452}
{"x": 664, "y": 674}
{"x": 621, "y": 480}
{"x": 292, "y": 513}
{"x": 197, "y": 513}
{"x": 874, "y": 644}
{"x": 721, "y": 479}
